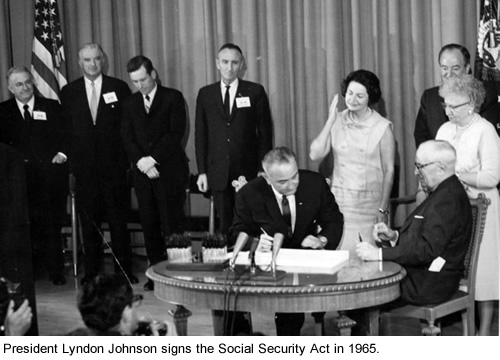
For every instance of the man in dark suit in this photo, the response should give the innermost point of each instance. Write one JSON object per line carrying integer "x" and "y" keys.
{"x": 92, "y": 110}
{"x": 32, "y": 125}
{"x": 154, "y": 122}
{"x": 454, "y": 61}
{"x": 231, "y": 136}
{"x": 293, "y": 202}
{"x": 433, "y": 241}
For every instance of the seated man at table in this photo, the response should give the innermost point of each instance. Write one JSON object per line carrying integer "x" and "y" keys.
{"x": 293, "y": 202}
{"x": 433, "y": 241}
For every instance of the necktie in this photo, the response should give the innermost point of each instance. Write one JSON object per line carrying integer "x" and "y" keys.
{"x": 93, "y": 102}
{"x": 27, "y": 114}
{"x": 227, "y": 106}
{"x": 287, "y": 214}
{"x": 147, "y": 105}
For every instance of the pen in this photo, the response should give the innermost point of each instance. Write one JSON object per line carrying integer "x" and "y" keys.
{"x": 264, "y": 231}
{"x": 360, "y": 238}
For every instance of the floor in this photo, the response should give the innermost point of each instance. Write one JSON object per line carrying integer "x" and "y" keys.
{"x": 58, "y": 314}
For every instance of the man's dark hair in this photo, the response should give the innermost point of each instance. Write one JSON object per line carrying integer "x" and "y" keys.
{"x": 136, "y": 62}
{"x": 366, "y": 78}
{"x": 462, "y": 49}
{"x": 230, "y": 47}
{"x": 102, "y": 300}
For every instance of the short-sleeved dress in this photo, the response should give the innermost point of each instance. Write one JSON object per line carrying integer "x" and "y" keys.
{"x": 357, "y": 180}
{"x": 478, "y": 150}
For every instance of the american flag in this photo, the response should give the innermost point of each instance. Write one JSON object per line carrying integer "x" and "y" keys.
{"x": 48, "y": 61}
{"x": 487, "y": 66}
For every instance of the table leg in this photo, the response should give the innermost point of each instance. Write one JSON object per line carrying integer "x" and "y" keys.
{"x": 373, "y": 315}
{"x": 218, "y": 322}
{"x": 345, "y": 324}
{"x": 180, "y": 315}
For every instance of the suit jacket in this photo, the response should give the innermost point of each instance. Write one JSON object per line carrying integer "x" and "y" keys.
{"x": 95, "y": 149}
{"x": 256, "y": 208}
{"x": 38, "y": 141}
{"x": 431, "y": 114}
{"x": 440, "y": 227}
{"x": 234, "y": 146}
{"x": 158, "y": 134}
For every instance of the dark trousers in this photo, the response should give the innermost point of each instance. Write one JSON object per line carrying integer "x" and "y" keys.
{"x": 16, "y": 265}
{"x": 47, "y": 195}
{"x": 104, "y": 199}
{"x": 162, "y": 213}
{"x": 224, "y": 206}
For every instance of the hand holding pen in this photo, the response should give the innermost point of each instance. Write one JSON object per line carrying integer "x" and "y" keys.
{"x": 265, "y": 242}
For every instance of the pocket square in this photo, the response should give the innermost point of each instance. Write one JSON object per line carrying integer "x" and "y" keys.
{"x": 418, "y": 217}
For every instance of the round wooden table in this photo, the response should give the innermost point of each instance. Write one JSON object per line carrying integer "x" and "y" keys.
{"x": 356, "y": 285}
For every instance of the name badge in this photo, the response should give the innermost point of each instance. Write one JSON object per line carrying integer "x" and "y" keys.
{"x": 242, "y": 102}
{"x": 110, "y": 97}
{"x": 437, "y": 264}
{"x": 39, "y": 115}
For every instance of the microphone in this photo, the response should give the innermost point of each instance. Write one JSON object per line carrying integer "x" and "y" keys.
{"x": 241, "y": 240}
{"x": 251, "y": 255}
{"x": 277, "y": 242}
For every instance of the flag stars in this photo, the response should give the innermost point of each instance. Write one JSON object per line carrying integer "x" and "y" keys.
{"x": 45, "y": 24}
{"x": 45, "y": 36}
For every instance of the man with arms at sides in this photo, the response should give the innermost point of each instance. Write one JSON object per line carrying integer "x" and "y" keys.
{"x": 154, "y": 122}
{"x": 433, "y": 241}
{"x": 294, "y": 203}
{"x": 109, "y": 307}
{"x": 92, "y": 110}
{"x": 233, "y": 132}
{"x": 454, "y": 61}
{"x": 32, "y": 125}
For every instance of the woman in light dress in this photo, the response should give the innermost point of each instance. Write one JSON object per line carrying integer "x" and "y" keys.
{"x": 478, "y": 168}
{"x": 363, "y": 157}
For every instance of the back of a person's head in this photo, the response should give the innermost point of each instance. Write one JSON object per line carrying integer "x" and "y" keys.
{"x": 278, "y": 155}
{"x": 102, "y": 300}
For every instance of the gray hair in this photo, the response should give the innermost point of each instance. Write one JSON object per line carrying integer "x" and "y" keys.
{"x": 278, "y": 155}
{"x": 466, "y": 86}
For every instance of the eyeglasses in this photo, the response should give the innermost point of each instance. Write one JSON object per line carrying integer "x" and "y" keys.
{"x": 453, "y": 107}
{"x": 421, "y": 166}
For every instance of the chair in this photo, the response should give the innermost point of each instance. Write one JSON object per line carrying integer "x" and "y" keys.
{"x": 463, "y": 300}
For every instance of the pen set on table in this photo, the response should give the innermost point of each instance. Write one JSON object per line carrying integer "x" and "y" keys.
{"x": 360, "y": 238}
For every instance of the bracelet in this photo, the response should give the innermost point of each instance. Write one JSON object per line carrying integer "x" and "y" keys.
{"x": 385, "y": 212}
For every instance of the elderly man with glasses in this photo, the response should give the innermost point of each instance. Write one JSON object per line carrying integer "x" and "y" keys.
{"x": 433, "y": 241}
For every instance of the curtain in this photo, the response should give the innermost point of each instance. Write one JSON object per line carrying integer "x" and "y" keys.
{"x": 299, "y": 50}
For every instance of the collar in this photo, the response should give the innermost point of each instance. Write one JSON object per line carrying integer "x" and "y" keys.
{"x": 151, "y": 94}
{"x": 233, "y": 85}
{"x": 97, "y": 81}
{"x": 30, "y": 103}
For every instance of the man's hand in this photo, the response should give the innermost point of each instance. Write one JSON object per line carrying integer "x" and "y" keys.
{"x": 145, "y": 164}
{"x": 17, "y": 322}
{"x": 367, "y": 251}
{"x": 312, "y": 242}
{"x": 382, "y": 233}
{"x": 153, "y": 173}
{"x": 202, "y": 183}
{"x": 157, "y": 325}
{"x": 60, "y": 158}
{"x": 265, "y": 243}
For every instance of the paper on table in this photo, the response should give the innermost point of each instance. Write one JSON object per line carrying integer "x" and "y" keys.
{"x": 297, "y": 260}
